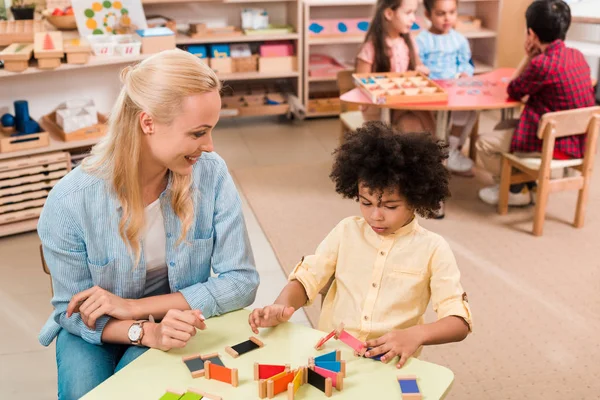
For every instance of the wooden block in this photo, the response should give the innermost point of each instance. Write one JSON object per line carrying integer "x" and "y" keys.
{"x": 48, "y": 63}
{"x": 172, "y": 395}
{"x": 320, "y": 382}
{"x": 204, "y": 394}
{"x": 335, "y": 366}
{"x": 324, "y": 340}
{"x": 244, "y": 347}
{"x": 262, "y": 389}
{"x": 335, "y": 355}
{"x": 78, "y": 51}
{"x": 409, "y": 387}
{"x": 265, "y": 371}
{"x": 234, "y": 377}
{"x": 296, "y": 383}
{"x": 358, "y": 346}
{"x": 274, "y": 387}
{"x": 196, "y": 362}
{"x": 337, "y": 378}
{"x": 48, "y": 45}
{"x": 16, "y": 66}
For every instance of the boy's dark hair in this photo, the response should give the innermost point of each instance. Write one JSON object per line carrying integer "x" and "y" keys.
{"x": 429, "y": 4}
{"x": 549, "y": 19}
{"x": 381, "y": 158}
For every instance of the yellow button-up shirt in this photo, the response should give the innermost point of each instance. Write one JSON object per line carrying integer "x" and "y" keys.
{"x": 382, "y": 283}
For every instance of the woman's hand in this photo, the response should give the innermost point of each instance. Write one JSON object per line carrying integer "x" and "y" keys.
{"x": 174, "y": 331}
{"x": 402, "y": 343}
{"x": 95, "y": 302}
{"x": 272, "y": 315}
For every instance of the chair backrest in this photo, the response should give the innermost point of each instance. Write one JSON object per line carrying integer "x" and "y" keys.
{"x": 568, "y": 123}
{"x": 345, "y": 83}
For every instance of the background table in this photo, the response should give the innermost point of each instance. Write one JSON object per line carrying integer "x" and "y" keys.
{"x": 150, "y": 375}
{"x": 481, "y": 92}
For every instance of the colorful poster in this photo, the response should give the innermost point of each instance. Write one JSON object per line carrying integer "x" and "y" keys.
{"x": 99, "y": 17}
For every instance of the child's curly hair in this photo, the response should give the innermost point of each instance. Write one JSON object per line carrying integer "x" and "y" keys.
{"x": 381, "y": 158}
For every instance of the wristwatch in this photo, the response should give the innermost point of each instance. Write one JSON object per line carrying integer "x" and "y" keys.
{"x": 136, "y": 332}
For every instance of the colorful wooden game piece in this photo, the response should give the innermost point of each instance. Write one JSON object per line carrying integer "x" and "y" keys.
{"x": 279, "y": 385}
{"x": 337, "y": 378}
{"x": 324, "y": 340}
{"x": 335, "y": 366}
{"x": 220, "y": 373}
{"x": 409, "y": 387}
{"x": 48, "y": 49}
{"x": 319, "y": 381}
{"x": 335, "y": 355}
{"x": 244, "y": 347}
{"x": 195, "y": 363}
{"x": 16, "y": 56}
{"x": 171, "y": 394}
{"x": 205, "y": 395}
{"x": 299, "y": 380}
{"x": 262, "y": 384}
{"x": 359, "y": 347}
{"x": 191, "y": 396}
{"x": 266, "y": 371}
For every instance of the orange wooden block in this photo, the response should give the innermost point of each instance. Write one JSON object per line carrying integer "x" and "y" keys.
{"x": 274, "y": 387}
{"x": 219, "y": 373}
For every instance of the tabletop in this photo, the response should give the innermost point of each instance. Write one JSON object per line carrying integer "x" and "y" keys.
{"x": 151, "y": 374}
{"x": 480, "y": 92}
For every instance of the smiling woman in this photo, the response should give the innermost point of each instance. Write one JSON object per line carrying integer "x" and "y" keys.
{"x": 135, "y": 233}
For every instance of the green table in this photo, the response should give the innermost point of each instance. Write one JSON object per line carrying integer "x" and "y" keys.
{"x": 149, "y": 376}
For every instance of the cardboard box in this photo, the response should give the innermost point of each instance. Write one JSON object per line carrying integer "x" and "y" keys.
{"x": 221, "y": 65}
{"x": 155, "y": 40}
{"x": 278, "y": 64}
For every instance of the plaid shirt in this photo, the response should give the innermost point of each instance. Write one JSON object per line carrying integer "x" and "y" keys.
{"x": 557, "y": 80}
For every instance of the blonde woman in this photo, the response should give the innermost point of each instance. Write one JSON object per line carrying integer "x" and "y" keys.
{"x": 136, "y": 230}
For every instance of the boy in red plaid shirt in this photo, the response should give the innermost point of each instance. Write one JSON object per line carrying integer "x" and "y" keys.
{"x": 555, "y": 78}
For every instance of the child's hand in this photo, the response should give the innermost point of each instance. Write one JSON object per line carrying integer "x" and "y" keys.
{"x": 422, "y": 69}
{"x": 463, "y": 75}
{"x": 402, "y": 343}
{"x": 531, "y": 49}
{"x": 269, "y": 316}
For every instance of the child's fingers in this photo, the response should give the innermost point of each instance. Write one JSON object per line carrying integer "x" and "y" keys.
{"x": 403, "y": 358}
{"x": 377, "y": 351}
{"x": 389, "y": 356}
{"x": 376, "y": 342}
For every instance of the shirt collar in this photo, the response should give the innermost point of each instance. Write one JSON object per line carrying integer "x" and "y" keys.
{"x": 555, "y": 46}
{"x": 408, "y": 228}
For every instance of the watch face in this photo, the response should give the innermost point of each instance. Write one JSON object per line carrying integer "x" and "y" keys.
{"x": 135, "y": 331}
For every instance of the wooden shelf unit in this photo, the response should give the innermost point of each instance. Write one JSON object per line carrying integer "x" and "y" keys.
{"x": 483, "y": 41}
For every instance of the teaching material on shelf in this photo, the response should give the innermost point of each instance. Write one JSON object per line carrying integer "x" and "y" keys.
{"x": 108, "y": 17}
{"x": 20, "y": 31}
{"x": 270, "y": 30}
{"x": 199, "y": 50}
{"x": 253, "y": 102}
{"x": 199, "y": 30}
{"x": 110, "y": 45}
{"x": 255, "y": 18}
{"x": 48, "y": 49}
{"x": 321, "y": 65}
{"x": 277, "y": 64}
{"x": 467, "y": 23}
{"x": 155, "y": 40}
{"x": 48, "y": 122}
{"x": 338, "y": 27}
{"x": 76, "y": 114}
{"x": 396, "y": 88}
{"x": 276, "y": 49}
{"x": 78, "y": 51}
{"x": 16, "y": 56}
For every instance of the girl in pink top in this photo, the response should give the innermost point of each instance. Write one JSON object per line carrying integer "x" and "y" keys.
{"x": 389, "y": 47}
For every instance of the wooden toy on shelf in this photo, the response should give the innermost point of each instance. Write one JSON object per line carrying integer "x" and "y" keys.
{"x": 21, "y": 132}
{"x": 155, "y": 40}
{"x": 195, "y": 363}
{"x": 467, "y": 23}
{"x": 359, "y": 347}
{"x": 20, "y": 31}
{"x": 397, "y": 88}
{"x": 221, "y": 373}
{"x": 338, "y": 27}
{"x": 48, "y": 49}
{"x": 198, "y": 30}
{"x": 16, "y": 56}
{"x": 319, "y": 381}
{"x": 409, "y": 387}
{"x": 242, "y": 348}
{"x": 78, "y": 51}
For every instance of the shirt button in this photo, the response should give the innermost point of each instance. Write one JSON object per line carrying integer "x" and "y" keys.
{"x": 374, "y": 285}
{"x": 382, "y": 253}
{"x": 172, "y": 264}
{"x": 169, "y": 235}
{"x": 366, "y": 318}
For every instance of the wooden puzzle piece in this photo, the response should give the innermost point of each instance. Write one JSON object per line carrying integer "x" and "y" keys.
{"x": 195, "y": 363}
{"x": 319, "y": 381}
{"x": 279, "y": 385}
{"x": 244, "y": 347}
{"x": 337, "y": 378}
{"x": 335, "y": 366}
{"x": 191, "y": 396}
{"x": 172, "y": 395}
{"x": 205, "y": 395}
{"x": 359, "y": 347}
{"x": 262, "y": 384}
{"x": 220, "y": 373}
{"x": 409, "y": 387}
{"x": 335, "y": 355}
{"x": 324, "y": 340}
{"x": 298, "y": 381}
{"x": 265, "y": 371}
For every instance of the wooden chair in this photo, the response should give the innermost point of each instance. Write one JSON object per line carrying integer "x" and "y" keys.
{"x": 584, "y": 121}
{"x": 350, "y": 119}
{"x": 45, "y": 268}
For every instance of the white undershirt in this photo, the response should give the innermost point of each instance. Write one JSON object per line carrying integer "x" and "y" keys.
{"x": 155, "y": 251}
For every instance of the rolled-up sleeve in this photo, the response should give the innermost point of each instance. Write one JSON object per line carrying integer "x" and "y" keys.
{"x": 314, "y": 271}
{"x": 447, "y": 295}
{"x": 66, "y": 257}
{"x": 237, "y": 280}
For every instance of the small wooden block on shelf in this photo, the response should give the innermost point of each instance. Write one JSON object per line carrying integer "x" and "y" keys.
{"x": 467, "y": 23}
{"x": 10, "y": 143}
{"x": 48, "y": 122}
{"x": 78, "y": 51}
{"x": 397, "y": 88}
{"x": 16, "y": 56}
{"x": 48, "y": 49}
{"x": 278, "y": 64}
{"x": 21, "y": 31}
{"x": 244, "y": 64}
{"x": 201, "y": 30}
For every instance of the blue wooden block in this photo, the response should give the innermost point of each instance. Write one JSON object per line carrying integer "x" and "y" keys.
{"x": 334, "y": 366}
{"x": 152, "y": 32}
{"x": 198, "y": 50}
{"x": 408, "y": 386}
{"x": 327, "y": 357}
{"x": 219, "y": 50}
{"x": 378, "y": 357}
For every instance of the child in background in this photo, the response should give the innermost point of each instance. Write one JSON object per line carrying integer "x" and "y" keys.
{"x": 389, "y": 47}
{"x": 386, "y": 267}
{"x": 448, "y": 56}
{"x": 556, "y": 78}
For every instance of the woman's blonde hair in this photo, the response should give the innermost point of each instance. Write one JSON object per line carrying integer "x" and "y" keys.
{"x": 158, "y": 86}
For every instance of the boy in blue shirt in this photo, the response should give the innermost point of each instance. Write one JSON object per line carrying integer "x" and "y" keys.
{"x": 448, "y": 56}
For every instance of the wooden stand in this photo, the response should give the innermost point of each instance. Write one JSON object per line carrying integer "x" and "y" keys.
{"x": 9, "y": 143}
{"x": 78, "y": 51}
{"x": 16, "y": 56}
{"x": 48, "y": 49}
{"x": 21, "y": 31}
{"x": 48, "y": 122}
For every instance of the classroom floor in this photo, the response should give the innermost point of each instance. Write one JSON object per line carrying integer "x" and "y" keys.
{"x": 27, "y": 370}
